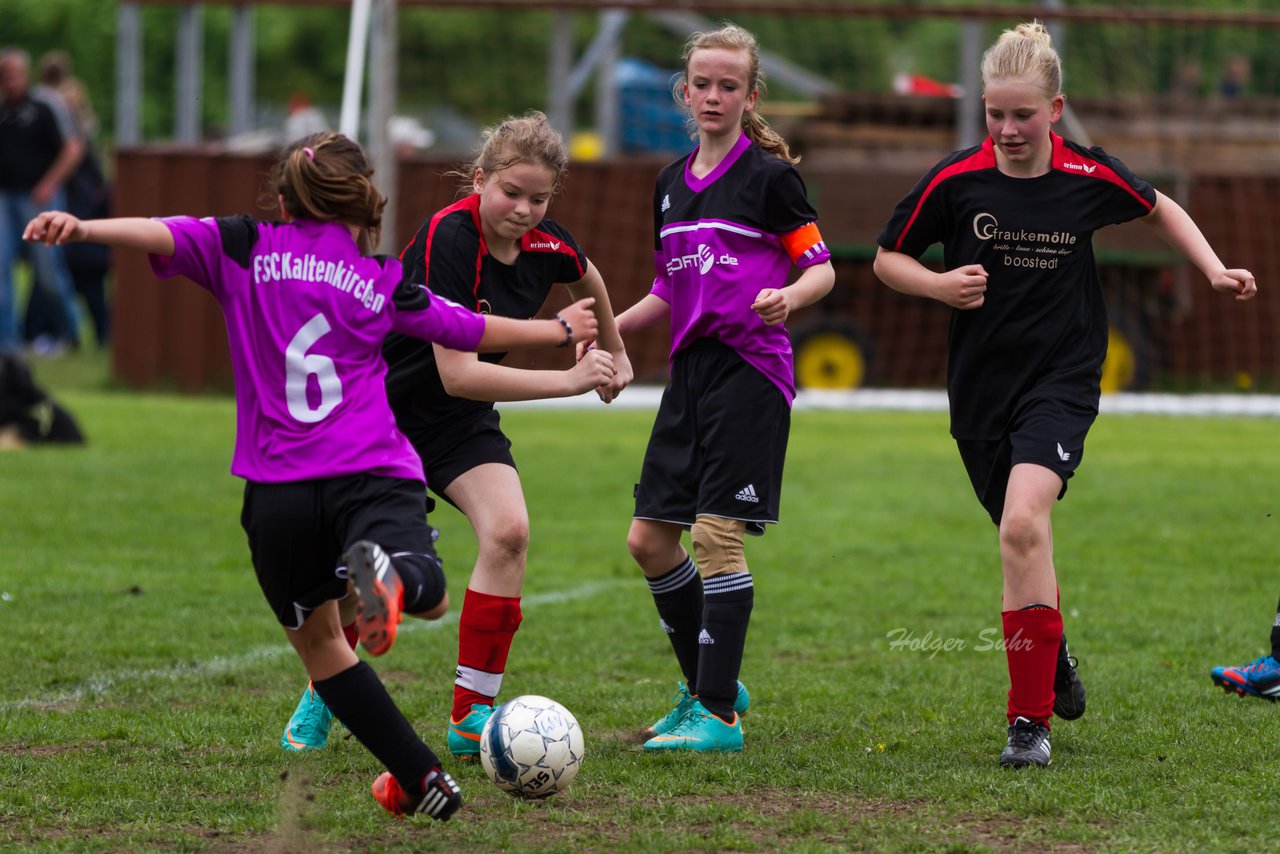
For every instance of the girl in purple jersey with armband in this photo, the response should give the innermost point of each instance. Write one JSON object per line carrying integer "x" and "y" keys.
{"x": 1016, "y": 217}
{"x": 730, "y": 221}
{"x": 334, "y": 492}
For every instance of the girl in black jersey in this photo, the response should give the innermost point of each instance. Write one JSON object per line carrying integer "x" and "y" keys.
{"x": 730, "y": 221}
{"x": 1016, "y": 216}
{"x": 492, "y": 252}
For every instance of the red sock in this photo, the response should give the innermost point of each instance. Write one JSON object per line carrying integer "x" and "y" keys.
{"x": 485, "y": 630}
{"x": 352, "y": 634}
{"x": 1031, "y": 638}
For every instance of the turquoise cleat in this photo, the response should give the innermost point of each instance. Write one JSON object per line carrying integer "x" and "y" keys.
{"x": 701, "y": 731}
{"x": 680, "y": 708}
{"x": 308, "y": 729}
{"x": 464, "y": 735}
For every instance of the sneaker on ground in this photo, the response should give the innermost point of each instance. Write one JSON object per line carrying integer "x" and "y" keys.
{"x": 440, "y": 797}
{"x": 464, "y": 735}
{"x": 1068, "y": 690}
{"x": 381, "y": 596}
{"x": 1028, "y": 745}
{"x": 701, "y": 731}
{"x": 680, "y": 707}
{"x": 1258, "y": 678}
{"x": 308, "y": 729}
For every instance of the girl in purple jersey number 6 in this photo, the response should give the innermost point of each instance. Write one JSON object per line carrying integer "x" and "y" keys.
{"x": 334, "y": 492}
{"x": 731, "y": 219}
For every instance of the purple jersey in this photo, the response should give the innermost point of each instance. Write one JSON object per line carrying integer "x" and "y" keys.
{"x": 306, "y": 314}
{"x": 720, "y": 240}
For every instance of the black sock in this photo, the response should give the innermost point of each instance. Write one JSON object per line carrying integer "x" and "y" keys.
{"x": 1275, "y": 636}
{"x": 724, "y": 636}
{"x": 678, "y": 595}
{"x": 358, "y": 698}
{"x": 422, "y": 577}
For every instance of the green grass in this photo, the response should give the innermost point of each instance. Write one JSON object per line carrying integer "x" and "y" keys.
{"x": 146, "y": 684}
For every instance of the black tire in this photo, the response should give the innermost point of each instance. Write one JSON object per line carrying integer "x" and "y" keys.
{"x": 832, "y": 355}
{"x": 1129, "y": 362}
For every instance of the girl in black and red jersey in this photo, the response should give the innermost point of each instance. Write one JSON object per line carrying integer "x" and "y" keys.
{"x": 731, "y": 220}
{"x": 492, "y": 252}
{"x": 1016, "y": 217}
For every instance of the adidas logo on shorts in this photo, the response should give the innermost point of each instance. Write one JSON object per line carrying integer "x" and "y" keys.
{"x": 748, "y": 493}
{"x": 703, "y": 637}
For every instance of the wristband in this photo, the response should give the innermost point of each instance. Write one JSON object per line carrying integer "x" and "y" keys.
{"x": 568, "y": 332}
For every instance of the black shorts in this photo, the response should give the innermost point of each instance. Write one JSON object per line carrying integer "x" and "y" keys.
{"x": 299, "y": 531}
{"x": 718, "y": 442}
{"x": 1046, "y": 432}
{"x": 452, "y": 448}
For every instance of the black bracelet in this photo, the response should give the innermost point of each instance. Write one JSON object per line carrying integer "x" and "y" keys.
{"x": 568, "y": 332}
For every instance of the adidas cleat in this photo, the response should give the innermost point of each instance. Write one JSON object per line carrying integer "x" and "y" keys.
{"x": 701, "y": 731}
{"x": 1258, "y": 678}
{"x": 464, "y": 735}
{"x": 1028, "y": 745}
{"x": 381, "y": 596}
{"x": 1068, "y": 690}
{"x": 308, "y": 729}
{"x": 440, "y": 797}
{"x": 680, "y": 707}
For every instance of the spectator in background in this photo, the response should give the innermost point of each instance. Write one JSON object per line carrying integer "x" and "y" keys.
{"x": 1235, "y": 76}
{"x": 88, "y": 197}
{"x": 304, "y": 118}
{"x": 1188, "y": 80}
{"x": 39, "y": 150}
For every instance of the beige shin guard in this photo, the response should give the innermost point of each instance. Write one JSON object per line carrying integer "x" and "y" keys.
{"x": 717, "y": 545}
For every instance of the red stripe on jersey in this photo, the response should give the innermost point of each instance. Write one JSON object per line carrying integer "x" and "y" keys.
{"x": 472, "y": 204}
{"x": 1067, "y": 159}
{"x": 536, "y": 240}
{"x": 983, "y": 158}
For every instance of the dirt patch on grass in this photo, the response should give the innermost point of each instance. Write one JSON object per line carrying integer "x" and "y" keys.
{"x": 44, "y": 750}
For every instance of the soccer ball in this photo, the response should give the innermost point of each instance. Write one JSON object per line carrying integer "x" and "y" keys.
{"x": 531, "y": 747}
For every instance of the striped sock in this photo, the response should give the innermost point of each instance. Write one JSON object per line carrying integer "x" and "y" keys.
{"x": 729, "y": 600}
{"x": 678, "y": 595}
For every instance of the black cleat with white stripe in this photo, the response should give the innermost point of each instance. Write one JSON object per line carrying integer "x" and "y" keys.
{"x": 1028, "y": 745}
{"x": 439, "y": 799}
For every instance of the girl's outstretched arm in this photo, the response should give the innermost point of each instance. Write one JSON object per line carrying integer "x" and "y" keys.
{"x": 59, "y": 227}
{"x": 572, "y": 324}
{"x": 1180, "y": 231}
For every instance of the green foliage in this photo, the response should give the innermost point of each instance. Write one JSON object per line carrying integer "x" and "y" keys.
{"x": 146, "y": 684}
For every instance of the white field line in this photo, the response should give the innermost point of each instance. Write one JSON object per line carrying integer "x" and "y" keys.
{"x": 103, "y": 683}
{"x": 924, "y": 400}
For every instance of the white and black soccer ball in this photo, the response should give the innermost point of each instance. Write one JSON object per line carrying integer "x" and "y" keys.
{"x": 531, "y": 747}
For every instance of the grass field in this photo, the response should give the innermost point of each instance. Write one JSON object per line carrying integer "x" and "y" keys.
{"x": 145, "y": 683}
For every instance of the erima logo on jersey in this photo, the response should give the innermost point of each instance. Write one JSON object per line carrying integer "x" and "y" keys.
{"x": 1080, "y": 167}
{"x": 1063, "y": 455}
{"x": 703, "y": 637}
{"x": 748, "y": 493}
{"x": 553, "y": 245}
{"x": 666, "y": 203}
{"x": 704, "y": 259}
